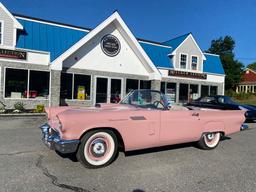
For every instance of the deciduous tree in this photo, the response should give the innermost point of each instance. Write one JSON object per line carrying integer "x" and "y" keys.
{"x": 252, "y": 66}
{"x": 232, "y": 67}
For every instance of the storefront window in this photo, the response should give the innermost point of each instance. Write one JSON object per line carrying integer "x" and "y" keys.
{"x": 82, "y": 87}
{"x": 17, "y": 84}
{"x": 66, "y": 86}
{"x": 38, "y": 85}
{"x": 169, "y": 89}
{"x": 145, "y": 84}
{"x": 75, "y": 86}
{"x": 213, "y": 90}
{"x": 131, "y": 84}
{"x": 204, "y": 90}
{"x": 16, "y": 81}
{"x": 171, "y": 92}
{"x": 193, "y": 90}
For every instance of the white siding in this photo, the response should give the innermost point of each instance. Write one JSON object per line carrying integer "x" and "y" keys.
{"x": 90, "y": 56}
{"x": 189, "y": 48}
{"x": 8, "y": 30}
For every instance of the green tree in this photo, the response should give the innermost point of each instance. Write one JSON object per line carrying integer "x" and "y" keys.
{"x": 252, "y": 66}
{"x": 232, "y": 67}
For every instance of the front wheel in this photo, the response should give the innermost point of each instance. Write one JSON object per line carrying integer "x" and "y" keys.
{"x": 209, "y": 140}
{"x": 98, "y": 148}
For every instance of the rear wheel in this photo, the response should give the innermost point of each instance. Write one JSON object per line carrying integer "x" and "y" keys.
{"x": 98, "y": 148}
{"x": 209, "y": 140}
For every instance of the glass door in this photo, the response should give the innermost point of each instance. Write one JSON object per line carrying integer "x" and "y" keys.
{"x": 183, "y": 93}
{"x": 115, "y": 92}
{"x": 101, "y": 90}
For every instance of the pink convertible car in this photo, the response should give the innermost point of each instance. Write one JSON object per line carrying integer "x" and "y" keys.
{"x": 143, "y": 119}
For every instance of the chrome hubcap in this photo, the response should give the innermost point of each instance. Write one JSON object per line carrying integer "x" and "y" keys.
{"x": 210, "y": 136}
{"x": 98, "y": 148}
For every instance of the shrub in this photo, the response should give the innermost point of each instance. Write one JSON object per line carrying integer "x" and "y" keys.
{"x": 239, "y": 96}
{"x": 39, "y": 109}
{"x": 230, "y": 93}
{"x": 2, "y": 107}
{"x": 18, "y": 107}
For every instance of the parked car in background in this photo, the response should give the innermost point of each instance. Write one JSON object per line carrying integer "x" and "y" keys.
{"x": 224, "y": 103}
{"x": 141, "y": 120}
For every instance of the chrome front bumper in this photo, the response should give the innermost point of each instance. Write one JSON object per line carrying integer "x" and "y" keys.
{"x": 53, "y": 141}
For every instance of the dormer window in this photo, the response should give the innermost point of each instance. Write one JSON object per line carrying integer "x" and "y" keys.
{"x": 183, "y": 61}
{"x": 1, "y": 32}
{"x": 194, "y": 62}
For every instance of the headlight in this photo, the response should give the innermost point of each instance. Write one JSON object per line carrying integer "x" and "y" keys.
{"x": 56, "y": 124}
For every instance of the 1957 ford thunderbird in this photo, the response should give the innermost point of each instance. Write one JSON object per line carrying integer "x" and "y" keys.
{"x": 141, "y": 120}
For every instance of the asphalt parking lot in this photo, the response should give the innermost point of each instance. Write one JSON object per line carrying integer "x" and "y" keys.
{"x": 27, "y": 165}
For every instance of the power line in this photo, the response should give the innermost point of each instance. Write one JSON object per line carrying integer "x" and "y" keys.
{"x": 245, "y": 58}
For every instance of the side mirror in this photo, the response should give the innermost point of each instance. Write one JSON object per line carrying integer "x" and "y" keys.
{"x": 97, "y": 105}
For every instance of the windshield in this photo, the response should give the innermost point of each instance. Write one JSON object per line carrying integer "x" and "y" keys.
{"x": 145, "y": 99}
{"x": 226, "y": 100}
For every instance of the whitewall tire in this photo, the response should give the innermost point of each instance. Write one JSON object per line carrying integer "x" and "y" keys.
{"x": 98, "y": 148}
{"x": 209, "y": 140}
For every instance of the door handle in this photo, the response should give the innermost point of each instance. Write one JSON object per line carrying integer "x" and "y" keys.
{"x": 195, "y": 114}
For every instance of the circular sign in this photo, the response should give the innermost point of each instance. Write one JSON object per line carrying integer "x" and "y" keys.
{"x": 110, "y": 45}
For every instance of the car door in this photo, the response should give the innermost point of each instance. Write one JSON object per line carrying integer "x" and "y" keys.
{"x": 179, "y": 126}
{"x": 142, "y": 129}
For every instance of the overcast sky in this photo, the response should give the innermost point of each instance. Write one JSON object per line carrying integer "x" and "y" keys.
{"x": 158, "y": 20}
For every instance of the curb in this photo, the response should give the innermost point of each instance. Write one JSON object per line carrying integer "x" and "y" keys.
{"x": 22, "y": 114}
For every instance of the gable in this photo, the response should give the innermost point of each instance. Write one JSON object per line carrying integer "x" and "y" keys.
{"x": 190, "y": 48}
{"x": 175, "y": 42}
{"x": 91, "y": 57}
{"x": 249, "y": 76}
{"x": 114, "y": 23}
{"x": 10, "y": 26}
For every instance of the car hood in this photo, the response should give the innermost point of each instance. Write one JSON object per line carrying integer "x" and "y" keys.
{"x": 249, "y": 107}
{"x": 103, "y": 108}
{"x": 53, "y": 111}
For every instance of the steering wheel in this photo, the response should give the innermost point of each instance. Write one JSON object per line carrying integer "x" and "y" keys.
{"x": 156, "y": 104}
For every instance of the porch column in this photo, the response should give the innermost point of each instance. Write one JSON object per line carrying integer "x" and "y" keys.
{"x": 199, "y": 90}
{"x": 55, "y": 88}
{"x": 156, "y": 85}
{"x": 123, "y": 88}
{"x": 2, "y": 83}
{"x": 177, "y": 92}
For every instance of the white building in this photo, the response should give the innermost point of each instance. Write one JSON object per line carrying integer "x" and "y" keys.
{"x": 44, "y": 62}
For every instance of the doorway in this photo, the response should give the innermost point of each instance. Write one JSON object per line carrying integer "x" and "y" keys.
{"x": 108, "y": 90}
{"x": 101, "y": 90}
{"x": 116, "y": 90}
{"x": 183, "y": 93}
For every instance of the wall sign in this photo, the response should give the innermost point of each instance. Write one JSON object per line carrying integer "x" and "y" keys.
{"x": 110, "y": 45}
{"x": 187, "y": 74}
{"x": 6, "y": 53}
